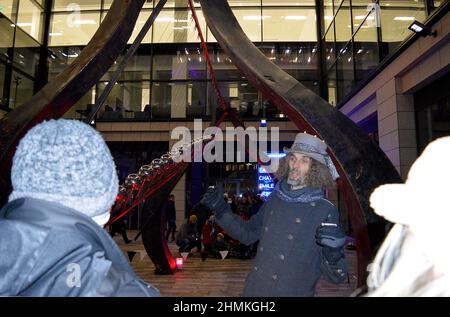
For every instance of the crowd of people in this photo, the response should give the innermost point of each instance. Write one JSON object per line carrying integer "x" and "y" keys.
{"x": 203, "y": 233}
{"x": 65, "y": 182}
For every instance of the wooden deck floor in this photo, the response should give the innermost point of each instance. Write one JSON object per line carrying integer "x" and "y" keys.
{"x": 215, "y": 277}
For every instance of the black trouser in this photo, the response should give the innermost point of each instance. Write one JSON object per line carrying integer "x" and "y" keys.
{"x": 171, "y": 228}
{"x": 120, "y": 229}
{"x": 187, "y": 244}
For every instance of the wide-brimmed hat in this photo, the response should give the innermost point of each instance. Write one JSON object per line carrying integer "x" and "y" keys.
{"x": 315, "y": 148}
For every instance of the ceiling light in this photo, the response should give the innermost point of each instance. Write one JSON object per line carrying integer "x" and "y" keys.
{"x": 404, "y": 19}
{"x": 295, "y": 17}
{"x": 256, "y": 17}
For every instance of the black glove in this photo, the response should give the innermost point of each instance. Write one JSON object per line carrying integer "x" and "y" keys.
{"x": 333, "y": 255}
{"x": 331, "y": 236}
{"x": 334, "y": 265}
{"x": 214, "y": 197}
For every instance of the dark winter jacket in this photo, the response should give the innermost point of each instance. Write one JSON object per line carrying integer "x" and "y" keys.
{"x": 289, "y": 261}
{"x": 171, "y": 214}
{"x": 187, "y": 231}
{"x": 47, "y": 249}
{"x": 203, "y": 213}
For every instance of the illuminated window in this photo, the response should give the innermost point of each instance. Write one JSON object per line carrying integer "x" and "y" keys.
{"x": 301, "y": 24}
{"x": 30, "y": 18}
{"x": 7, "y": 9}
{"x": 288, "y": 2}
{"x": 250, "y": 20}
{"x": 395, "y": 22}
{"x": 76, "y": 28}
{"x": 177, "y": 26}
{"x": 80, "y": 5}
{"x": 142, "y": 18}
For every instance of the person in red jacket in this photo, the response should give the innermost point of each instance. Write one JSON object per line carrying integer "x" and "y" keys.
{"x": 207, "y": 237}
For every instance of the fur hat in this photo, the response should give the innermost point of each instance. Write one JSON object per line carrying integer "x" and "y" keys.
{"x": 66, "y": 162}
{"x": 421, "y": 203}
{"x": 315, "y": 148}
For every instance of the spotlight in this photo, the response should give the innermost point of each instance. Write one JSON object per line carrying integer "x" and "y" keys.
{"x": 263, "y": 123}
{"x": 421, "y": 29}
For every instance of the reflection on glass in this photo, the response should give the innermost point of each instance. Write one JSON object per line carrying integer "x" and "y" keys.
{"x": 405, "y": 4}
{"x": 244, "y": 3}
{"x": 289, "y": 3}
{"x": 137, "y": 68}
{"x": 250, "y": 20}
{"x": 127, "y": 97}
{"x": 177, "y": 26}
{"x": 26, "y": 59}
{"x": 8, "y": 8}
{"x": 369, "y": 17}
{"x": 210, "y": 37}
{"x": 330, "y": 49}
{"x": 82, "y": 108}
{"x": 161, "y": 100}
{"x": 177, "y": 99}
{"x": 6, "y": 35}
{"x": 331, "y": 85}
{"x": 270, "y": 111}
{"x": 196, "y": 103}
{"x": 345, "y": 74}
{"x": 298, "y": 60}
{"x": 437, "y": 3}
{"x": 239, "y": 95}
{"x": 60, "y": 58}
{"x": 26, "y": 53}
{"x": 73, "y": 28}
{"x": 21, "y": 89}
{"x": 366, "y": 49}
{"x": 395, "y": 22}
{"x": 342, "y": 22}
{"x": 30, "y": 18}
{"x": 223, "y": 66}
{"x": 142, "y": 18}
{"x": 78, "y": 5}
{"x": 366, "y": 59}
{"x": 301, "y": 24}
{"x": 178, "y": 3}
{"x": 184, "y": 63}
{"x": 328, "y": 14}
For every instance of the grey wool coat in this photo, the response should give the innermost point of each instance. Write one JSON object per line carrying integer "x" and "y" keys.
{"x": 47, "y": 249}
{"x": 289, "y": 261}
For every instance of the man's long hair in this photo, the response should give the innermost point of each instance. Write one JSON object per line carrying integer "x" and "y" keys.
{"x": 318, "y": 175}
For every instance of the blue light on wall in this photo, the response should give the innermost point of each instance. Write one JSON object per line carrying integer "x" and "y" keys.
{"x": 266, "y": 183}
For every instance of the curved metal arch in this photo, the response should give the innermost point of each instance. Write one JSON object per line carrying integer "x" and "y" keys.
{"x": 361, "y": 164}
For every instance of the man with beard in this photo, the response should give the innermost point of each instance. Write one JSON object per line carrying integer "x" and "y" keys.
{"x": 298, "y": 229}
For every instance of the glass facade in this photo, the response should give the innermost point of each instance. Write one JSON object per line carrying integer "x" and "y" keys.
{"x": 359, "y": 34}
{"x": 21, "y": 38}
{"x": 168, "y": 77}
{"x": 169, "y": 74}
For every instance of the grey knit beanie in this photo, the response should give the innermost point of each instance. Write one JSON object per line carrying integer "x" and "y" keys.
{"x": 67, "y": 162}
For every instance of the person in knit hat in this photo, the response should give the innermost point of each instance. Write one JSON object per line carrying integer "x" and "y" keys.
{"x": 64, "y": 183}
